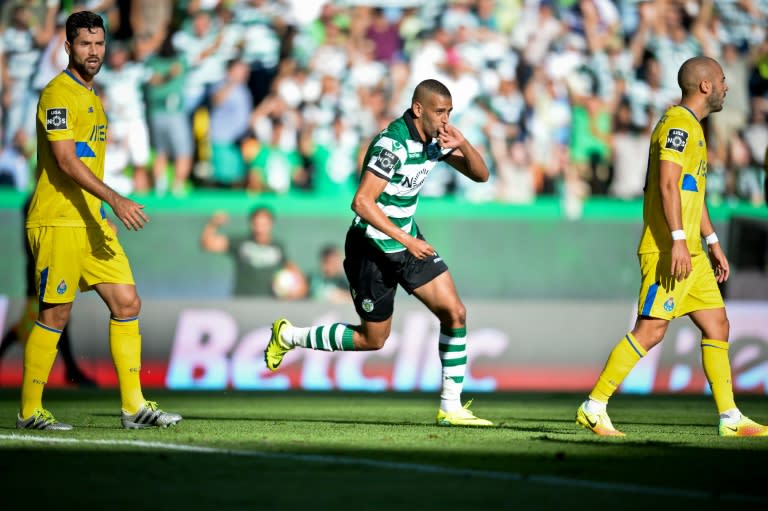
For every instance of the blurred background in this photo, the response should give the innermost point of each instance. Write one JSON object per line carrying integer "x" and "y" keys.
{"x": 241, "y": 125}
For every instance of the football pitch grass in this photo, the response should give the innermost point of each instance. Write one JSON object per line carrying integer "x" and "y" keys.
{"x": 317, "y": 451}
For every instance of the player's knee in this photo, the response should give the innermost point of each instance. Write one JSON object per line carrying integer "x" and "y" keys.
{"x": 453, "y": 316}
{"x": 721, "y": 330}
{"x": 129, "y": 306}
{"x": 55, "y": 317}
{"x": 372, "y": 342}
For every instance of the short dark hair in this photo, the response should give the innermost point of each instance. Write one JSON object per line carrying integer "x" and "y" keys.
{"x": 328, "y": 250}
{"x": 261, "y": 209}
{"x": 83, "y": 19}
{"x": 432, "y": 86}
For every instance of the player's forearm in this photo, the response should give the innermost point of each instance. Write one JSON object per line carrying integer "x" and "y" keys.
{"x": 670, "y": 199}
{"x": 706, "y": 224}
{"x": 83, "y": 176}
{"x": 474, "y": 166}
{"x": 373, "y": 215}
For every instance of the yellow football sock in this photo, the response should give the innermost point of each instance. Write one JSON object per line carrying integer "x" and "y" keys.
{"x": 717, "y": 368}
{"x": 39, "y": 354}
{"x": 125, "y": 345}
{"x": 620, "y": 362}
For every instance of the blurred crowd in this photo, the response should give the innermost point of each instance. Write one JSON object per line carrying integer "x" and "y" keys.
{"x": 282, "y": 96}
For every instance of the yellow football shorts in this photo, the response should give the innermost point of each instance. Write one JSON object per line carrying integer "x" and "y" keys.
{"x": 661, "y": 296}
{"x": 66, "y": 257}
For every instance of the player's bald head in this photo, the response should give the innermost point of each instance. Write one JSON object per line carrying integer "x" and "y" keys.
{"x": 694, "y": 71}
{"x": 427, "y": 88}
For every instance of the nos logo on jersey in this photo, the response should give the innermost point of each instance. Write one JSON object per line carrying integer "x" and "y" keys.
{"x": 386, "y": 161}
{"x": 676, "y": 140}
{"x": 56, "y": 119}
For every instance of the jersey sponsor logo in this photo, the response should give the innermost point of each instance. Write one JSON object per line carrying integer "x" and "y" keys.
{"x": 676, "y": 140}
{"x": 56, "y": 119}
{"x": 98, "y": 133}
{"x": 416, "y": 180}
{"x": 669, "y": 305}
{"x": 386, "y": 161}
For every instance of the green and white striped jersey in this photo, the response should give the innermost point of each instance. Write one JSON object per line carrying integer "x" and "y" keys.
{"x": 399, "y": 155}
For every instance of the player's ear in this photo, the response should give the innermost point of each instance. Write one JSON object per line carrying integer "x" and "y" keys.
{"x": 67, "y": 47}
{"x": 417, "y": 109}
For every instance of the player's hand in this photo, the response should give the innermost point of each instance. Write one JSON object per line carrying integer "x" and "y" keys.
{"x": 449, "y": 137}
{"x": 681, "y": 260}
{"x": 130, "y": 213}
{"x": 420, "y": 249}
{"x": 719, "y": 263}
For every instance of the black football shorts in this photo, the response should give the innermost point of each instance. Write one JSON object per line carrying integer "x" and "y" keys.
{"x": 373, "y": 275}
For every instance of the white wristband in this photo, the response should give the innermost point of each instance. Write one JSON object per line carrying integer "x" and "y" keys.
{"x": 678, "y": 235}
{"x": 711, "y": 239}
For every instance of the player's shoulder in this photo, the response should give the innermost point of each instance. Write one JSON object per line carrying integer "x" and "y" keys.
{"x": 62, "y": 86}
{"x": 394, "y": 136}
{"x": 679, "y": 116}
{"x": 676, "y": 126}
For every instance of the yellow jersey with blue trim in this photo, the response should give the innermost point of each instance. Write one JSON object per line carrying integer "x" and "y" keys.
{"x": 68, "y": 110}
{"x": 678, "y": 138}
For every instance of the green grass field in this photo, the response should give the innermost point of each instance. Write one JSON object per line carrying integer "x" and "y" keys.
{"x": 318, "y": 451}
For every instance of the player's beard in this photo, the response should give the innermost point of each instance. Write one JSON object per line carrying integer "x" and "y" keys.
{"x": 716, "y": 102}
{"x": 85, "y": 69}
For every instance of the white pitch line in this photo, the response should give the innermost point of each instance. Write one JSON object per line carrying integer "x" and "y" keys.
{"x": 393, "y": 465}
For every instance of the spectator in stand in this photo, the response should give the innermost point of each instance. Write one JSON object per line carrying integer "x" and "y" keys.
{"x": 258, "y": 257}
{"x": 329, "y": 283}
{"x": 334, "y": 153}
{"x": 15, "y": 170}
{"x": 150, "y": 21}
{"x": 662, "y": 32}
{"x": 727, "y": 126}
{"x": 199, "y": 44}
{"x": 547, "y": 122}
{"x": 231, "y": 105}
{"x": 590, "y": 141}
{"x": 22, "y": 44}
{"x": 385, "y": 37}
{"x": 629, "y": 153}
{"x": 54, "y": 57}
{"x": 459, "y": 13}
{"x": 264, "y": 29}
{"x": 122, "y": 82}
{"x": 647, "y": 98}
{"x": 275, "y": 169}
{"x": 743, "y": 22}
{"x": 170, "y": 128}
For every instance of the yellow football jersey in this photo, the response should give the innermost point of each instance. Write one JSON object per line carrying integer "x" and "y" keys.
{"x": 68, "y": 110}
{"x": 679, "y": 138}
